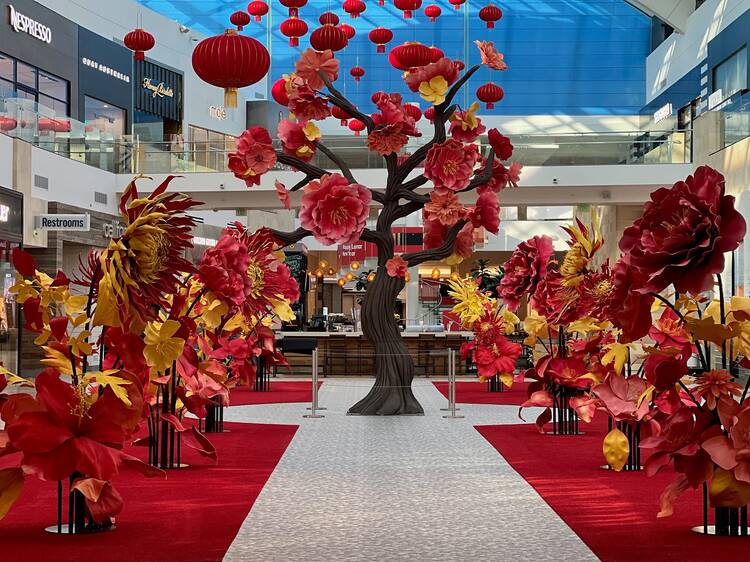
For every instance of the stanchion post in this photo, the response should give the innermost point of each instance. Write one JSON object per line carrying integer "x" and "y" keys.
{"x": 314, "y": 406}
{"x": 452, "y": 383}
{"x": 450, "y": 386}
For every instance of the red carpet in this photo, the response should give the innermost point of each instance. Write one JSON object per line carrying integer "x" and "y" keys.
{"x": 281, "y": 392}
{"x": 614, "y": 514}
{"x": 192, "y": 516}
{"x": 475, "y": 392}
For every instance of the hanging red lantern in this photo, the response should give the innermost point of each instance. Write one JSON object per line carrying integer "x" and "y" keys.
{"x": 433, "y": 12}
{"x": 459, "y": 65}
{"x": 429, "y": 113}
{"x": 490, "y": 93}
{"x": 354, "y": 7}
{"x": 7, "y": 123}
{"x": 413, "y": 111}
{"x": 410, "y": 55}
{"x": 457, "y": 3}
{"x": 257, "y": 9}
{"x": 340, "y": 114}
{"x": 328, "y": 18}
{"x": 408, "y": 6}
{"x": 240, "y": 19}
{"x": 279, "y": 93}
{"x": 381, "y": 2}
{"x": 294, "y": 28}
{"x": 139, "y": 41}
{"x": 294, "y": 6}
{"x": 348, "y": 30}
{"x": 436, "y": 54}
{"x": 328, "y": 37}
{"x": 357, "y": 72}
{"x": 231, "y": 61}
{"x": 490, "y": 14}
{"x": 357, "y": 126}
{"x": 380, "y": 36}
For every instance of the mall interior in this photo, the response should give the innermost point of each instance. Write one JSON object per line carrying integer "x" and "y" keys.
{"x": 374, "y": 280}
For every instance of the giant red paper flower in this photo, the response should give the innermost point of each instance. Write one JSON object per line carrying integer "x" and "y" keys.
{"x": 223, "y": 269}
{"x": 665, "y": 368}
{"x": 684, "y": 232}
{"x": 629, "y": 309}
{"x": 525, "y": 269}
{"x": 306, "y": 105}
{"x": 387, "y": 139}
{"x": 254, "y": 157}
{"x": 498, "y": 358}
{"x": 491, "y": 56}
{"x": 434, "y": 232}
{"x": 487, "y": 212}
{"x": 450, "y": 165}
{"x": 714, "y": 385}
{"x": 500, "y": 144}
{"x": 397, "y": 267}
{"x": 622, "y": 397}
{"x": 732, "y": 452}
{"x": 465, "y": 125}
{"x": 444, "y": 208}
{"x": 334, "y": 210}
{"x": 464, "y": 246}
{"x": 669, "y": 330}
{"x": 569, "y": 372}
{"x": 311, "y": 62}
{"x": 298, "y": 139}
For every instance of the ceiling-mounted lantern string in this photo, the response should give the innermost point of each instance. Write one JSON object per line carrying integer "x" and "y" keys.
{"x": 328, "y": 37}
{"x": 294, "y": 6}
{"x": 490, "y": 93}
{"x": 257, "y": 9}
{"x": 380, "y": 36}
{"x": 348, "y": 30}
{"x": 410, "y": 56}
{"x": 354, "y": 7}
{"x": 433, "y": 12}
{"x": 328, "y": 18}
{"x": 457, "y": 3}
{"x": 341, "y": 115}
{"x": 231, "y": 61}
{"x": 408, "y": 6}
{"x": 357, "y": 73}
{"x": 240, "y": 19}
{"x": 139, "y": 41}
{"x": 357, "y": 126}
{"x": 294, "y": 28}
{"x": 490, "y": 14}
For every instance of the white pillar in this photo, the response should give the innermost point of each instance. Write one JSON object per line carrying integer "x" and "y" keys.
{"x": 413, "y": 309}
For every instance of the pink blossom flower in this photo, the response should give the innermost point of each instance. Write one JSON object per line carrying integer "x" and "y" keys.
{"x": 500, "y": 144}
{"x": 306, "y": 105}
{"x": 434, "y": 233}
{"x": 311, "y": 61}
{"x": 498, "y": 181}
{"x": 254, "y": 157}
{"x": 450, "y": 165}
{"x": 397, "y": 267}
{"x": 444, "y": 208}
{"x": 298, "y": 139}
{"x": 487, "y": 212}
{"x": 424, "y": 74}
{"x": 466, "y": 126}
{"x": 334, "y": 210}
{"x": 387, "y": 140}
{"x": 491, "y": 56}
{"x": 465, "y": 241}
{"x": 514, "y": 173}
{"x": 283, "y": 194}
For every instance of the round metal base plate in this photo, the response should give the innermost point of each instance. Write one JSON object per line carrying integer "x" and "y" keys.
{"x": 53, "y": 529}
{"x": 712, "y": 531}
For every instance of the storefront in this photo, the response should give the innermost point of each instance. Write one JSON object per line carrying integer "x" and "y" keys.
{"x": 11, "y": 229}
{"x": 158, "y": 95}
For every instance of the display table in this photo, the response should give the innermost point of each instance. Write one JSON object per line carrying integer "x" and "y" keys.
{"x": 350, "y": 354}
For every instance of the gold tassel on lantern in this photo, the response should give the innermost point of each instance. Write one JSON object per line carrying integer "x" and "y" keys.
{"x": 230, "y": 97}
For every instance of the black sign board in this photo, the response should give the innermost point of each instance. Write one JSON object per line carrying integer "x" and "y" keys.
{"x": 158, "y": 90}
{"x": 11, "y": 215}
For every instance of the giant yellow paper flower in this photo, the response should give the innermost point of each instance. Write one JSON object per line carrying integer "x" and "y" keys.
{"x": 470, "y": 301}
{"x": 434, "y": 91}
{"x": 162, "y": 348}
{"x": 584, "y": 243}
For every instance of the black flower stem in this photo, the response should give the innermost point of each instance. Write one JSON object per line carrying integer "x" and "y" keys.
{"x": 722, "y": 312}
{"x": 686, "y": 389}
{"x": 198, "y": 297}
{"x": 89, "y": 303}
{"x": 679, "y": 314}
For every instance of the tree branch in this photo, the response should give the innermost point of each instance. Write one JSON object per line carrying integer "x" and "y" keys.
{"x": 414, "y": 183}
{"x": 310, "y": 169}
{"x": 484, "y": 176}
{"x": 338, "y": 161}
{"x": 439, "y": 253}
{"x": 339, "y": 100}
{"x": 456, "y": 87}
{"x": 289, "y": 238}
{"x": 413, "y": 197}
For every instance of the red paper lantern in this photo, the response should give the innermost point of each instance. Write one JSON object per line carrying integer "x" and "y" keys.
{"x": 294, "y": 6}
{"x": 139, "y": 41}
{"x": 413, "y": 111}
{"x": 457, "y": 3}
{"x": 7, "y": 123}
{"x": 429, "y": 113}
{"x": 436, "y": 54}
{"x": 231, "y": 61}
{"x": 357, "y": 126}
{"x": 328, "y": 37}
{"x": 381, "y": 2}
{"x": 459, "y": 65}
{"x": 294, "y": 28}
{"x": 340, "y": 114}
{"x": 433, "y": 12}
{"x": 410, "y": 55}
{"x": 490, "y": 14}
{"x": 357, "y": 72}
{"x": 328, "y": 18}
{"x": 348, "y": 30}
{"x": 354, "y": 7}
{"x": 279, "y": 93}
{"x": 380, "y": 36}
{"x": 257, "y": 9}
{"x": 240, "y": 19}
{"x": 490, "y": 93}
{"x": 408, "y": 6}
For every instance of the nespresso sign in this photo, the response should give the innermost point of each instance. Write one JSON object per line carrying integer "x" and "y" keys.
{"x": 160, "y": 90}
{"x": 24, "y": 24}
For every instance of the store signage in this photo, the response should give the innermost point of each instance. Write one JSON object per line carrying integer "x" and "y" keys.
{"x": 113, "y": 229}
{"x": 68, "y": 223}
{"x": 663, "y": 113}
{"x": 715, "y": 99}
{"x": 24, "y": 24}
{"x": 160, "y": 90}
{"x": 348, "y": 253}
{"x": 4, "y": 213}
{"x": 218, "y": 112}
{"x": 104, "y": 69}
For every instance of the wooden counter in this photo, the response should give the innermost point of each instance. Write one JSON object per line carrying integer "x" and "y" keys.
{"x": 350, "y": 354}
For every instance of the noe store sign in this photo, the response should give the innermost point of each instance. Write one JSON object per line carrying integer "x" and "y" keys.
{"x": 24, "y": 24}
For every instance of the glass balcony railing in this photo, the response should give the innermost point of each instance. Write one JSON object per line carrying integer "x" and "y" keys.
{"x": 736, "y": 120}
{"x": 83, "y": 142}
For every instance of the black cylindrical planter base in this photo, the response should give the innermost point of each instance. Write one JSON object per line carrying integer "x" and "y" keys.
{"x": 495, "y": 385}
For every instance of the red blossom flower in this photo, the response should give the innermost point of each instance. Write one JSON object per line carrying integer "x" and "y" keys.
{"x": 715, "y": 385}
{"x": 491, "y": 56}
{"x": 298, "y": 139}
{"x": 524, "y": 270}
{"x": 334, "y": 210}
{"x": 311, "y": 62}
{"x": 254, "y": 157}
{"x": 444, "y": 208}
{"x": 500, "y": 144}
{"x": 387, "y": 139}
{"x": 683, "y": 234}
{"x": 464, "y": 246}
{"x": 569, "y": 372}
{"x": 629, "y": 309}
{"x": 497, "y": 358}
{"x": 664, "y": 368}
{"x": 466, "y": 126}
{"x": 487, "y": 212}
{"x": 443, "y": 67}
{"x": 622, "y": 398}
{"x": 669, "y": 331}
{"x": 223, "y": 269}
{"x": 397, "y": 267}
{"x": 434, "y": 233}
{"x": 306, "y": 105}
{"x": 450, "y": 165}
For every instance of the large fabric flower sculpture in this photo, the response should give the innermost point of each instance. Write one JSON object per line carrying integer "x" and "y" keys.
{"x": 298, "y": 139}
{"x": 138, "y": 268}
{"x": 312, "y": 62}
{"x": 334, "y": 210}
{"x": 683, "y": 234}
{"x": 490, "y": 56}
{"x": 629, "y": 309}
{"x": 450, "y": 165}
{"x": 466, "y": 126}
{"x": 306, "y": 105}
{"x": 444, "y": 208}
{"x": 393, "y": 125}
{"x": 254, "y": 157}
{"x": 433, "y": 80}
{"x": 524, "y": 270}
{"x": 397, "y": 267}
{"x": 486, "y": 213}
{"x": 223, "y": 269}
{"x": 500, "y": 144}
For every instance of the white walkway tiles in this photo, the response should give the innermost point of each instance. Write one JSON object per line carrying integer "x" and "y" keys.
{"x": 419, "y": 488}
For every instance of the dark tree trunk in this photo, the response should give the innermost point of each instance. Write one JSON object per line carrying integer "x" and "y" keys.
{"x": 394, "y": 368}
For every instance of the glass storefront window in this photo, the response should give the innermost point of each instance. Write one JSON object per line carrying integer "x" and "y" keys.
{"x": 731, "y": 75}
{"x": 31, "y": 83}
{"x": 6, "y": 67}
{"x": 105, "y": 118}
{"x": 148, "y": 127}
{"x": 26, "y": 75}
{"x": 53, "y": 86}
